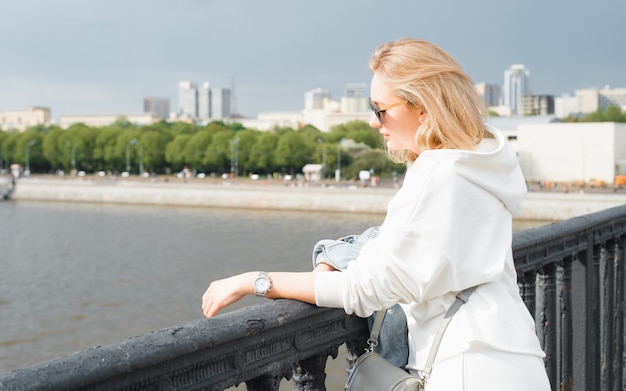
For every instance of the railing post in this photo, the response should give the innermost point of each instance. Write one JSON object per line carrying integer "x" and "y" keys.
{"x": 618, "y": 360}
{"x": 566, "y": 369}
{"x": 545, "y": 318}
{"x": 310, "y": 374}
{"x": 592, "y": 316}
{"x": 527, "y": 287}
{"x": 263, "y": 383}
{"x": 606, "y": 316}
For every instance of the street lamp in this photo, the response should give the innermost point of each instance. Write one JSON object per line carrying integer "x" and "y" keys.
{"x": 338, "y": 170}
{"x": 234, "y": 158}
{"x": 323, "y": 173}
{"x": 73, "y": 154}
{"x": 131, "y": 142}
{"x": 27, "y": 155}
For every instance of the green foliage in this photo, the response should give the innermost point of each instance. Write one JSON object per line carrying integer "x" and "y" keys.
{"x": 375, "y": 160}
{"x": 175, "y": 152}
{"x": 261, "y": 158}
{"x": 611, "y": 114}
{"x": 217, "y": 154}
{"x": 168, "y": 147}
{"x": 292, "y": 152}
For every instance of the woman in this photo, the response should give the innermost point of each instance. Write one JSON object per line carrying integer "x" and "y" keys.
{"x": 448, "y": 228}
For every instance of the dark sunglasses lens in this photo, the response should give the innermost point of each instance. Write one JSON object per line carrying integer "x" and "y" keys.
{"x": 375, "y": 110}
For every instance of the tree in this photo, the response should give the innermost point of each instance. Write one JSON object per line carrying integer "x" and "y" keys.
{"x": 247, "y": 139}
{"x": 262, "y": 153}
{"x": 217, "y": 154}
{"x": 373, "y": 159}
{"x": 175, "y": 151}
{"x": 104, "y": 153}
{"x": 54, "y": 147}
{"x": 196, "y": 147}
{"x": 153, "y": 142}
{"x": 293, "y": 151}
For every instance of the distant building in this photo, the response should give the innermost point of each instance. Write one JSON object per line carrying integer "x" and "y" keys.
{"x": 572, "y": 151}
{"x": 187, "y": 100}
{"x": 516, "y": 87}
{"x": 590, "y": 100}
{"x": 101, "y": 120}
{"x": 314, "y": 99}
{"x": 160, "y": 107}
{"x": 23, "y": 119}
{"x": 204, "y": 102}
{"x": 220, "y": 103}
{"x": 354, "y": 98}
{"x": 538, "y": 105}
{"x": 490, "y": 93}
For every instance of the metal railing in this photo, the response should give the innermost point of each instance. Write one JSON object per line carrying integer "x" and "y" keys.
{"x": 571, "y": 277}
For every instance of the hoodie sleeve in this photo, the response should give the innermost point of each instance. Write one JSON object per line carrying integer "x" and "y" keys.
{"x": 443, "y": 233}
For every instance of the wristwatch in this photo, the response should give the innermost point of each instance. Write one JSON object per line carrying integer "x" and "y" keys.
{"x": 262, "y": 284}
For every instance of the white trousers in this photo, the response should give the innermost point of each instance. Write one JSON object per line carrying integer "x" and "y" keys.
{"x": 489, "y": 370}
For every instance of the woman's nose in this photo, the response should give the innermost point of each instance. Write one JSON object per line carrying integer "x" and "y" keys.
{"x": 374, "y": 122}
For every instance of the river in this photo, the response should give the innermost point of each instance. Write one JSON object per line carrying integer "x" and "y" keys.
{"x": 75, "y": 275}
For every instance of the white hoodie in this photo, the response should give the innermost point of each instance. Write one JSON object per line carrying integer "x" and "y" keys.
{"x": 448, "y": 228}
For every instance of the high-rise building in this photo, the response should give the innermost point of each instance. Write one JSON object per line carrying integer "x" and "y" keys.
{"x": 220, "y": 99}
{"x": 354, "y": 98}
{"x": 204, "y": 102}
{"x": 490, "y": 93}
{"x": 188, "y": 99}
{"x": 160, "y": 107}
{"x": 314, "y": 99}
{"x": 516, "y": 87}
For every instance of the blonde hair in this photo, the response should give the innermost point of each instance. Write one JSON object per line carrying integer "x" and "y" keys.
{"x": 432, "y": 81}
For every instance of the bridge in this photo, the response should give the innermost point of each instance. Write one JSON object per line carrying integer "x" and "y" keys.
{"x": 571, "y": 276}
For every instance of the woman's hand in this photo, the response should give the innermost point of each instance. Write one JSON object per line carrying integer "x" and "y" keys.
{"x": 222, "y": 293}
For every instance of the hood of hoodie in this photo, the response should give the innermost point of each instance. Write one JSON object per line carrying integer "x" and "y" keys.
{"x": 494, "y": 166}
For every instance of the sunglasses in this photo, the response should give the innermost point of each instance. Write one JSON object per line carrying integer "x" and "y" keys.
{"x": 379, "y": 110}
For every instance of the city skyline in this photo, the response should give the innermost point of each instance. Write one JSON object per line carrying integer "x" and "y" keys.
{"x": 105, "y": 57}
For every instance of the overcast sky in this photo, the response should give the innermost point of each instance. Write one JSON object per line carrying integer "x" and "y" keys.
{"x": 103, "y": 57}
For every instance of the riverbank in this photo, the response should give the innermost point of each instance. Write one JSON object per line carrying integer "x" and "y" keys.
{"x": 548, "y": 206}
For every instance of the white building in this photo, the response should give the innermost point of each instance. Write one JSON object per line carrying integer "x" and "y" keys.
{"x": 101, "y": 120}
{"x": 23, "y": 119}
{"x": 589, "y": 100}
{"x": 204, "y": 102}
{"x": 188, "y": 99}
{"x": 354, "y": 98}
{"x": 516, "y": 87}
{"x": 566, "y": 152}
{"x": 159, "y": 106}
{"x": 315, "y": 99}
{"x": 220, "y": 103}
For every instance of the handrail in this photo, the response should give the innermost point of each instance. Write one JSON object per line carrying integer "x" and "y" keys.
{"x": 570, "y": 274}
{"x": 258, "y": 345}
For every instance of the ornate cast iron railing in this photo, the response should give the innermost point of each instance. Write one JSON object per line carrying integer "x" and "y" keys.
{"x": 571, "y": 276}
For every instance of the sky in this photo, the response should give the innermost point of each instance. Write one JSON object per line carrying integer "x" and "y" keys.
{"x": 104, "y": 57}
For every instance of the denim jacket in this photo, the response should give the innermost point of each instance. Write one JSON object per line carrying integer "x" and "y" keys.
{"x": 393, "y": 340}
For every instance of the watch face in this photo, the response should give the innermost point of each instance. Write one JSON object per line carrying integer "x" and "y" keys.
{"x": 262, "y": 285}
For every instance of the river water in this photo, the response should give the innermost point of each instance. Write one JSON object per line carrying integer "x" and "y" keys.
{"x": 74, "y": 276}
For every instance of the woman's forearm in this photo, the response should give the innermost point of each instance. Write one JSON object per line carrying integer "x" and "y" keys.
{"x": 297, "y": 286}
{"x": 284, "y": 285}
